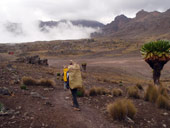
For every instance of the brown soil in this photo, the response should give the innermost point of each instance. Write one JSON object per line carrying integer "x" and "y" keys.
{"x": 55, "y": 108}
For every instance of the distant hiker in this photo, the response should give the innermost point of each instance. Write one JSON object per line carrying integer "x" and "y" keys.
{"x": 75, "y": 82}
{"x": 65, "y": 70}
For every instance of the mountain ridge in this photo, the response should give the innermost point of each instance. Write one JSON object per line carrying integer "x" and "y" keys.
{"x": 145, "y": 26}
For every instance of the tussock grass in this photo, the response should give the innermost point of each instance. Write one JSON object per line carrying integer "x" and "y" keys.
{"x": 121, "y": 108}
{"x": 139, "y": 86}
{"x": 151, "y": 93}
{"x": 92, "y": 91}
{"x": 133, "y": 92}
{"x": 46, "y": 83}
{"x": 29, "y": 81}
{"x": 163, "y": 102}
{"x": 116, "y": 92}
{"x": 158, "y": 95}
{"x": 98, "y": 91}
{"x": 163, "y": 91}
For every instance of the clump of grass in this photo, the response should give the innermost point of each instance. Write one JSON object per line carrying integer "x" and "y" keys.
{"x": 29, "y": 81}
{"x": 46, "y": 83}
{"x": 92, "y": 92}
{"x": 163, "y": 102}
{"x": 163, "y": 91}
{"x": 1, "y": 107}
{"x": 158, "y": 95}
{"x": 120, "y": 83}
{"x": 23, "y": 87}
{"x": 133, "y": 92}
{"x": 116, "y": 92}
{"x": 98, "y": 91}
{"x": 121, "y": 108}
{"x": 106, "y": 80}
{"x": 139, "y": 86}
{"x": 151, "y": 93}
{"x": 58, "y": 74}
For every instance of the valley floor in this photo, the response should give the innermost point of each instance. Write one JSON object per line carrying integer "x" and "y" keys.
{"x": 52, "y": 107}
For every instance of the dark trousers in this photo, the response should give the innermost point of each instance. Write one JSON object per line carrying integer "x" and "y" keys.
{"x": 74, "y": 94}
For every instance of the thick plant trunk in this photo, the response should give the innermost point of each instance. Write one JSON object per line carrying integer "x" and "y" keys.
{"x": 156, "y": 76}
{"x": 157, "y": 66}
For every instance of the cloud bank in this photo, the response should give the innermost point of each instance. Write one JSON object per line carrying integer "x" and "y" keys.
{"x": 29, "y": 32}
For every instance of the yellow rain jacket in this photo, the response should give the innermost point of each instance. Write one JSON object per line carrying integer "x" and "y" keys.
{"x": 65, "y": 74}
{"x": 75, "y": 78}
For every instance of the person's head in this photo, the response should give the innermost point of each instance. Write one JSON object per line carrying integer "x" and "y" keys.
{"x": 71, "y": 62}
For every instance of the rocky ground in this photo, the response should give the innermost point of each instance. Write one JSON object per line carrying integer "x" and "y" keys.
{"x": 46, "y": 107}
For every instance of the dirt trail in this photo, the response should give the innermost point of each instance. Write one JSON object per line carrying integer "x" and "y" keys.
{"x": 86, "y": 118}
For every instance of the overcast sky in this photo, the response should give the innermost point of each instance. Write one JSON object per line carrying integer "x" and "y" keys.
{"x": 27, "y": 12}
{"x": 101, "y": 10}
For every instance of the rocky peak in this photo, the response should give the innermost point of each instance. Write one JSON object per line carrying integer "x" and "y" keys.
{"x": 167, "y": 12}
{"x": 121, "y": 18}
{"x": 142, "y": 14}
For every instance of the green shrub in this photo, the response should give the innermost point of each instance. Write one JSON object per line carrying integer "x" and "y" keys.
{"x": 58, "y": 74}
{"x": 24, "y": 87}
{"x": 133, "y": 92}
{"x": 1, "y": 107}
{"x": 29, "y": 81}
{"x": 121, "y": 108}
{"x": 163, "y": 102}
{"x": 117, "y": 92}
{"x": 120, "y": 83}
{"x": 81, "y": 92}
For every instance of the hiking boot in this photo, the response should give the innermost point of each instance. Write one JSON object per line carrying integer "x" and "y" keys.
{"x": 76, "y": 109}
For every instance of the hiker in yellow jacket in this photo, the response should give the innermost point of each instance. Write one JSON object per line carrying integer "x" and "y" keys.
{"x": 65, "y": 70}
{"x": 75, "y": 82}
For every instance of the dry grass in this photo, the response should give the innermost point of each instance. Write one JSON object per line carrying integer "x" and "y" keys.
{"x": 92, "y": 92}
{"x": 163, "y": 102}
{"x": 158, "y": 95}
{"x": 116, "y": 92}
{"x": 46, "y": 83}
{"x": 151, "y": 93}
{"x": 29, "y": 81}
{"x": 139, "y": 86}
{"x": 98, "y": 91}
{"x": 163, "y": 91}
{"x": 121, "y": 108}
{"x": 133, "y": 92}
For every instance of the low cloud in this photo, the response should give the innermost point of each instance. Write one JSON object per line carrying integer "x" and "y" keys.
{"x": 28, "y": 32}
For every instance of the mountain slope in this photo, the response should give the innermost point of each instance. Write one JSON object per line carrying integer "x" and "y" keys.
{"x": 84, "y": 23}
{"x": 145, "y": 26}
